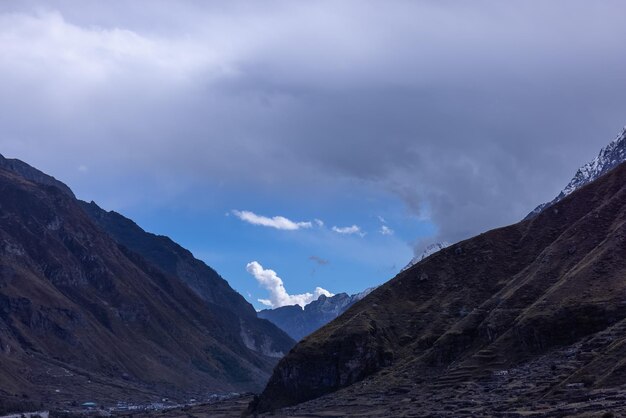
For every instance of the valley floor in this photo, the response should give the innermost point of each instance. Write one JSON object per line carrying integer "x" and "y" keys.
{"x": 471, "y": 400}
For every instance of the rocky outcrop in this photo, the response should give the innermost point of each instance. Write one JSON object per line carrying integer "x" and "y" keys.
{"x": 498, "y": 301}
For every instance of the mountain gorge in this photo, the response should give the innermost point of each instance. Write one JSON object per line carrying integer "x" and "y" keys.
{"x": 104, "y": 311}
{"x": 528, "y": 318}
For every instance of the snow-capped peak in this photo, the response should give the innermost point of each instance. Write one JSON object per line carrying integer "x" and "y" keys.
{"x": 609, "y": 157}
{"x": 361, "y": 295}
{"x": 428, "y": 251}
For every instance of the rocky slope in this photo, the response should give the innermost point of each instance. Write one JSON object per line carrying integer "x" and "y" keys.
{"x": 609, "y": 157}
{"x": 84, "y": 318}
{"x": 517, "y": 319}
{"x": 299, "y": 322}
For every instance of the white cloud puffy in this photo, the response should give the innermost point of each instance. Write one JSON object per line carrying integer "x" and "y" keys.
{"x": 278, "y": 294}
{"x": 349, "y": 230}
{"x": 278, "y": 222}
{"x": 385, "y": 230}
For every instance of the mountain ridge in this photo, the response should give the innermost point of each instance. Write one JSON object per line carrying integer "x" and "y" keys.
{"x": 82, "y": 316}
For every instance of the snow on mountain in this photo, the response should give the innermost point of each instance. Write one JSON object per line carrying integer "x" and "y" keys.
{"x": 428, "y": 251}
{"x": 358, "y": 296}
{"x": 299, "y": 322}
{"x": 608, "y": 158}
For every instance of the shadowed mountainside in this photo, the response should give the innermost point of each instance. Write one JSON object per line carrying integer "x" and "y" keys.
{"x": 539, "y": 305}
{"x": 85, "y": 318}
{"x": 256, "y": 333}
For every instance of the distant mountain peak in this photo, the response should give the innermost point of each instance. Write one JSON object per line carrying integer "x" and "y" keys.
{"x": 299, "y": 322}
{"x": 608, "y": 158}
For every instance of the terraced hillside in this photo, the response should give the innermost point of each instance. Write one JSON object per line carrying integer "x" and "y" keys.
{"x": 526, "y": 317}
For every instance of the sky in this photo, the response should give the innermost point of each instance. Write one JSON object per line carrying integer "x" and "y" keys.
{"x": 304, "y": 148}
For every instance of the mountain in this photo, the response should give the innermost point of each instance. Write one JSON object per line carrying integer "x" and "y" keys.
{"x": 428, "y": 251}
{"x": 257, "y": 334}
{"x": 529, "y": 318}
{"x": 609, "y": 157}
{"x": 299, "y": 322}
{"x": 85, "y": 318}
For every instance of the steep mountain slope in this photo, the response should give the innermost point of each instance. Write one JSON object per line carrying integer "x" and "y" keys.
{"x": 533, "y": 312}
{"x": 609, "y": 157}
{"x": 258, "y": 334}
{"x": 299, "y": 322}
{"x": 84, "y": 318}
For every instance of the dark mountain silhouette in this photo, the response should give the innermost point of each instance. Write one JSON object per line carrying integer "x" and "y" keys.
{"x": 84, "y": 317}
{"x": 299, "y": 322}
{"x": 530, "y": 317}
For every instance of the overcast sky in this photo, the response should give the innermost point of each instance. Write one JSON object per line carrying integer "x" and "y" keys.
{"x": 392, "y": 123}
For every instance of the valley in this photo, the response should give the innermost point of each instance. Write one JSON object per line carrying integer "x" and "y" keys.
{"x": 312, "y": 209}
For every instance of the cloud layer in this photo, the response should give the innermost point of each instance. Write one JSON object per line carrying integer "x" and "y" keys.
{"x": 278, "y": 296}
{"x": 471, "y": 115}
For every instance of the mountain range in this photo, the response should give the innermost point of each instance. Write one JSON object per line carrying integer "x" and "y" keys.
{"x": 93, "y": 308}
{"x": 521, "y": 320}
{"x": 299, "y": 322}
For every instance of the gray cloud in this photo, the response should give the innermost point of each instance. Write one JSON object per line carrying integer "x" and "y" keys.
{"x": 319, "y": 260}
{"x": 470, "y": 114}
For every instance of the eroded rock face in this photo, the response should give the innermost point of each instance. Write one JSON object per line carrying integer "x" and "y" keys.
{"x": 491, "y": 303}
